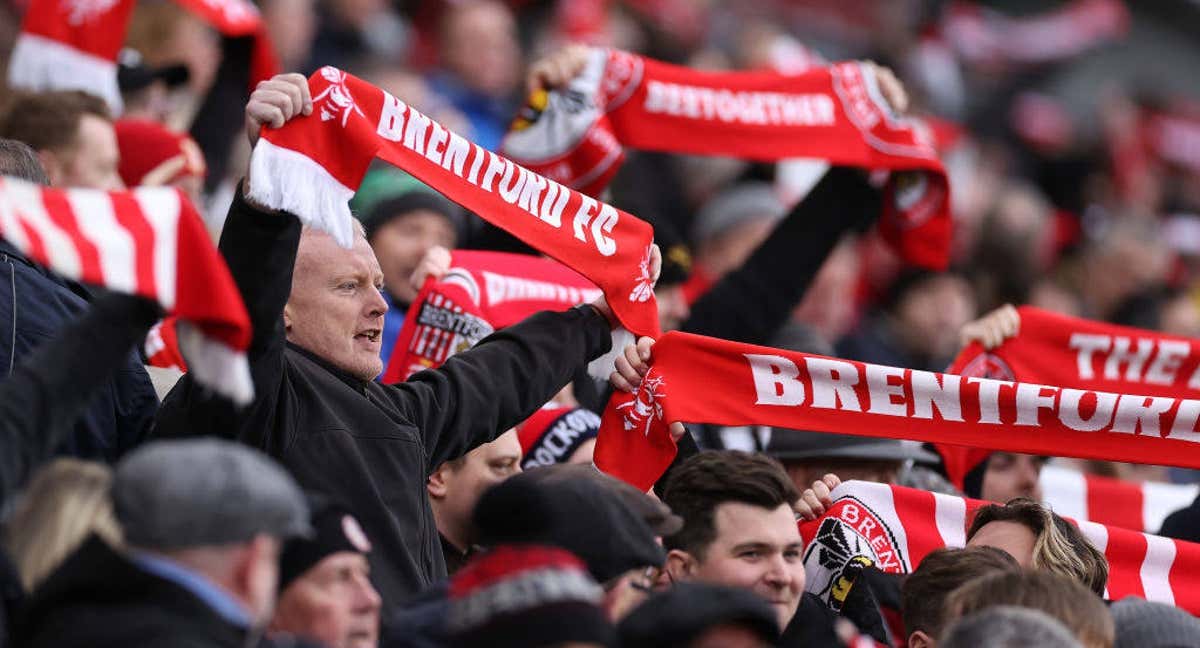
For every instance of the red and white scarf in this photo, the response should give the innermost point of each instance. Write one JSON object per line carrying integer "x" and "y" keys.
{"x": 73, "y": 44}
{"x": 575, "y": 135}
{"x": 1136, "y": 506}
{"x": 482, "y": 292}
{"x": 1066, "y": 351}
{"x": 893, "y": 528}
{"x": 312, "y": 165}
{"x": 698, "y": 379}
{"x": 148, "y": 242}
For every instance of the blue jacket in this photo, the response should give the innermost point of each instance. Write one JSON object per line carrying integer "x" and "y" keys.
{"x": 34, "y": 306}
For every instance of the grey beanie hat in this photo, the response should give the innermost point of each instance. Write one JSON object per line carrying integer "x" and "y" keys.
{"x": 203, "y": 492}
{"x": 739, "y": 204}
{"x": 1146, "y": 624}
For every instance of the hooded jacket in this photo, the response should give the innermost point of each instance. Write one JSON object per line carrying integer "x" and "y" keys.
{"x": 373, "y": 446}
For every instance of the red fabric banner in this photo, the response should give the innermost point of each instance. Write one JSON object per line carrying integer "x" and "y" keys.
{"x": 312, "y": 164}
{"x": 893, "y": 528}
{"x": 482, "y": 292}
{"x": 697, "y": 379}
{"x": 575, "y": 135}
{"x": 1137, "y": 506}
{"x": 148, "y": 242}
{"x": 1066, "y": 351}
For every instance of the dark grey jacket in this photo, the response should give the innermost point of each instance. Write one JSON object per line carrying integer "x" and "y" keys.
{"x": 373, "y": 446}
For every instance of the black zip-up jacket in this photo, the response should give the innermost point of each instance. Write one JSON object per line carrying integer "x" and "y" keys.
{"x": 373, "y": 446}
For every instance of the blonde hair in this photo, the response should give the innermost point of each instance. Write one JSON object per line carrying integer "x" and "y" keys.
{"x": 66, "y": 501}
{"x": 1059, "y": 546}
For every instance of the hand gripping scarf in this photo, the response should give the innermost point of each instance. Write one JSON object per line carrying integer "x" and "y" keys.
{"x": 148, "y": 242}
{"x": 893, "y": 528}
{"x": 482, "y": 292}
{"x": 575, "y": 135}
{"x": 697, "y": 379}
{"x": 73, "y": 44}
{"x": 312, "y": 164}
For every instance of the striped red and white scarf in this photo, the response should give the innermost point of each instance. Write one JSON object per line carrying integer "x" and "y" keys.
{"x": 576, "y": 135}
{"x": 1114, "y": 502}
{"x": 893, "y": 528}
{"x": 73, "y": 44}
{"x": 312, "y": 165}
{"x": 148, "y": 242}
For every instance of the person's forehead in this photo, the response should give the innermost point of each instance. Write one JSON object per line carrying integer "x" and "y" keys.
{"x": 1001, "y": 531}
{"x": 739, "y": 523}
{"x": 328, "y": 258}
{"x": 337, "y": 561}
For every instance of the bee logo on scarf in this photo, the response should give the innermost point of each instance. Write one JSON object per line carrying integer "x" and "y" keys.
{"x": 336, "y": 99}
{"x": 645, "y": 408}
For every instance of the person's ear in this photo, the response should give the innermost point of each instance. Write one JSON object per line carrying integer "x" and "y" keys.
{"x": 287, "y": 318}
{"x": 680, "y": 565}
{"x": 437, "y": 484}
{"x": 919, "y": 639}
{"x": 53, "y": 165}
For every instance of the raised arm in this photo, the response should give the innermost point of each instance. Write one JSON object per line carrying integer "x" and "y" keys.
{"x": 751, "y": 303}
{"x": 259, "y": 247}
{"x": 51, "y": 388}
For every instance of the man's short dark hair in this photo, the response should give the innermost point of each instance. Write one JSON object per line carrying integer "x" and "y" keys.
{"x": 704, "y": 482}
{"x": 49, "y": 121}
{"x": 18, "y": 160}
{"x": 1059, "y": 546}
{"x": 923, "y": 595}
{"x": 1062, "y": 597}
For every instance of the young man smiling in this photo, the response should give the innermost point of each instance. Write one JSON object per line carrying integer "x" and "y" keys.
{"x": 739, "y": 528}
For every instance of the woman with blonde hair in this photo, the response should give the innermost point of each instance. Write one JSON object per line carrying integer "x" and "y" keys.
{"x": 66, "y": 501}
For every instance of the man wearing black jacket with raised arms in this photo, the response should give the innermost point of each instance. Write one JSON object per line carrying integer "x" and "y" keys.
{"x": 317, "y": 315}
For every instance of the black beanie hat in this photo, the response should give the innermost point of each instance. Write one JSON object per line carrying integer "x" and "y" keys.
{"x": 573, "y": 513}
{"x": 683, "y": 613}
{"x": 335, "y": 530}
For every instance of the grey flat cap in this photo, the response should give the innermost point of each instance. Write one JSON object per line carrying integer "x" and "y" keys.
{"x": 796, "y": 444}
{"x": 1145, "y": 624}
{"x": 203, "y": 492}
{"x": 738, "y": 204}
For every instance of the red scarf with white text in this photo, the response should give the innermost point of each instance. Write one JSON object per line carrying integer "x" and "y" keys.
{"x": 148, "y": 242}
{"x": 73, "y": 44}
{"x": 1054, "y": 349}
{"x": 312, "y": 165}
{"x": 575, "y": 135}
{"x": 482, "y": 292}
{"x": 893, "y": 528}
{"x": 698, "y": 379}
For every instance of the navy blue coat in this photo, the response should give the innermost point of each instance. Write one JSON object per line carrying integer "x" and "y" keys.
{"x": 34, "y": 306}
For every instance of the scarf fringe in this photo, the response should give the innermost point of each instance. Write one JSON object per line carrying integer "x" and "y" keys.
{"x": 283, "y": 179}
{"x": 602, "y": 368}
{"x": 216, "y": 365}
{"x": 40, "y": 64}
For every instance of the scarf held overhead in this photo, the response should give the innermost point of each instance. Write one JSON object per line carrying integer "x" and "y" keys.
{"x": 575, "y": 135}
{"x": 697, "y": 379}
{"x": 893, "y": 528}
{"x": 482, "y": 292}
{"x": 148, "y": 242}
{"x": 73, "y": 44}
{"x": 312, "y": 165}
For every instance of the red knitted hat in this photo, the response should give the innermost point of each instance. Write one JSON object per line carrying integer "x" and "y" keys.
{"x": 153, "y": 155}
{"x": 526, "y": 595}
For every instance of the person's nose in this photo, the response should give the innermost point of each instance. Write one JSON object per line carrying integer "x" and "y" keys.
{"x": 366, "y": 599}
{"x": 377, "y": 305}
